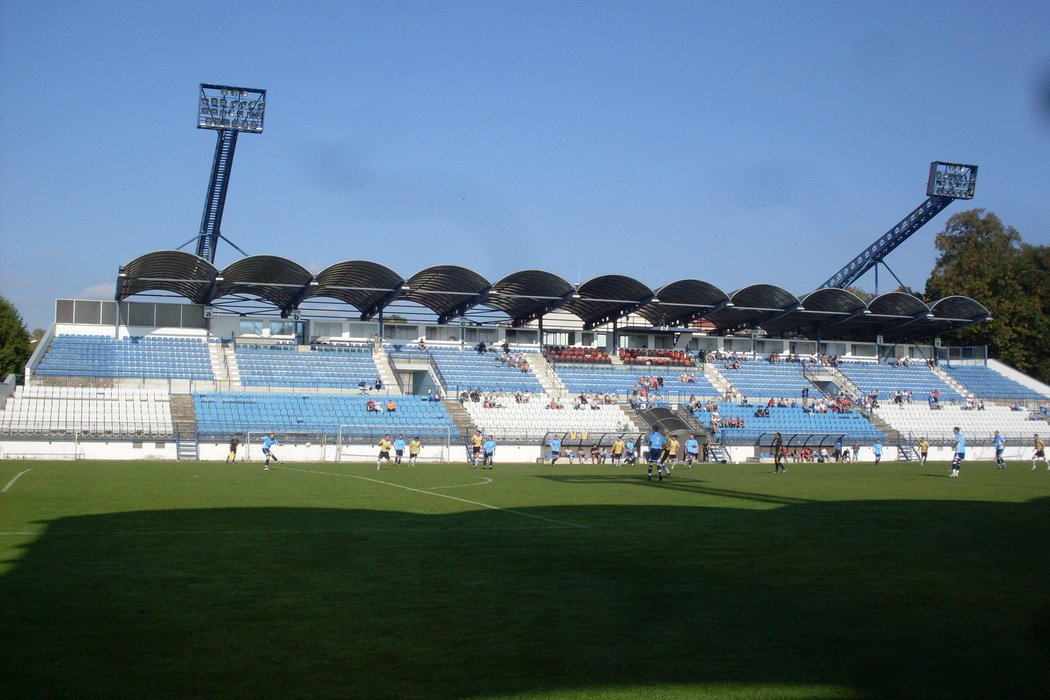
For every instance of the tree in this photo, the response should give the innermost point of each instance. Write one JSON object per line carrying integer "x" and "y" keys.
{"x": 981, "y": 258}
{"x": 14, "y": 340}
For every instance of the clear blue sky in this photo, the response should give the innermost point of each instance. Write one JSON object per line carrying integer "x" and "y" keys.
{"x": 736, "y": 142}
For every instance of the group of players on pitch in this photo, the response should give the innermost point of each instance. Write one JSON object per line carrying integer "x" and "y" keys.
{"x": 662, "y": 455}
{"x": 1038, "y": 453}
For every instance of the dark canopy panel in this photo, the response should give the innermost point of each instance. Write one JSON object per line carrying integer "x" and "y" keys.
{"x": 280, "y": 281}
{"x": 816, "y": 309}
{"x": 607, "y": 298}
{"x": 525, "y": 296}
{"x": 751, "y": 306}
{"x": 173, "y": 271}
{"x": 447, "y": 290}
{"x": 891, "y": 315}
{"x": 897, "y": 304}
{"x": 682, "y": 302}
{"x": 367, "y": 286}
{"x": 960, "y": 308}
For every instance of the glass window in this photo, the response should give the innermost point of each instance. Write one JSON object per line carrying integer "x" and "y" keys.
{"x": 282, "y": 328}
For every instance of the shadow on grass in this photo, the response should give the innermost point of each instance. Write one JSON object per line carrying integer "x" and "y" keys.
{"x": 690, "y": 484}
{"x": 870, "y": 599}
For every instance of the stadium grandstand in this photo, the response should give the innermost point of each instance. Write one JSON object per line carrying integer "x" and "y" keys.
{"x": 356, "y": 350}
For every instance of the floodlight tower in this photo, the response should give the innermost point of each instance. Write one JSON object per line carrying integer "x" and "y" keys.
{"x": 947, "y": 182}
{"x": 229, "y": 111}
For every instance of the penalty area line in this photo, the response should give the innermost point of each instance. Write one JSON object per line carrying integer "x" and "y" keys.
{"x": 13, "y": 480}
{"x": 521, "y": 513}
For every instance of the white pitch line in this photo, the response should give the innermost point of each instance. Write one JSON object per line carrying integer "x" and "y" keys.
{"x": 9, "y": 483}
{"x": 444, "y": 495}
{"x": 486, "y": 482}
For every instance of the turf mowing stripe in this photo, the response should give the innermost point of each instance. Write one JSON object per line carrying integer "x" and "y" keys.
{"x": 9, "y": 483}
{"x": 443, "y": 495}
{"x": 321, "y": 531}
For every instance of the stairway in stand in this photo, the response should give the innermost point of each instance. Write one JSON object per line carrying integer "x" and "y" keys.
{"x": 547, "y": 377}
{"x": 184, "y": 420}
{"x": 386, "y": 371}
{"x": 636, "y": 418}
{"x": 893, "y": 436}
{"x": 460, "y": 418}
{"x": 907, "y": 453}
{"x": 718, "y": 453}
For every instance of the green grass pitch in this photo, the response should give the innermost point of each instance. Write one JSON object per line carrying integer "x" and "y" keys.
{"x": 336, "y": 580}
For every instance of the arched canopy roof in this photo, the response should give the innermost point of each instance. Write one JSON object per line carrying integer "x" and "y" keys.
{"x": 529, "y": 294}
{"x": 943, "y": 316}
{"x": 367, "y": 286}
{"x": 682, "y": 302}
{"x": 607, "y": 298}
{"x": 173, "y": 271}
{"x": 280, "y": 281}
{"x": 447, "y": 290}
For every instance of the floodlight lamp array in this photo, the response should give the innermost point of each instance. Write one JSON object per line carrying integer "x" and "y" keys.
{"x": 955, "y": 180}
{"x": 233, "y": 108}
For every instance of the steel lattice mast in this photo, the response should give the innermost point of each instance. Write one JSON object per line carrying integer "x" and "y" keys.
{"x": 229, "y": 111}
{"x": 947, "y": 182}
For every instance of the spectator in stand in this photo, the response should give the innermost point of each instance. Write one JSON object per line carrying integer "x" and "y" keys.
{"x": 390, "y": 405}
